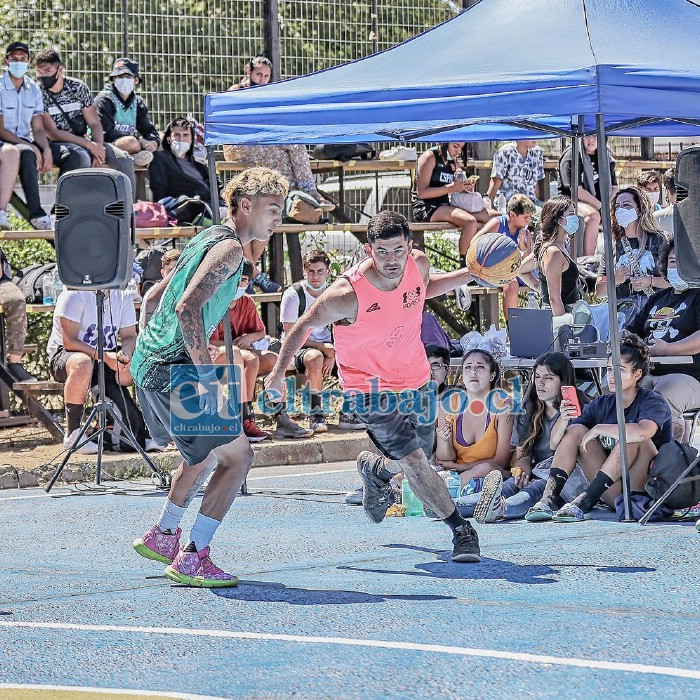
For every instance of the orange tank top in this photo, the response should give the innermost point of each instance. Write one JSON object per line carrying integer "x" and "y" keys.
{"x": 484, "y": 448}
{"x": 383, "y": 344}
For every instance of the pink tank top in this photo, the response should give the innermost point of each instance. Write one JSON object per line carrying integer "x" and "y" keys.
{"x": 384, "y": 342}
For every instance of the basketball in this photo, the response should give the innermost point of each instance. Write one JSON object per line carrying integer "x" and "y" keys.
{"x": 493, "y": 259}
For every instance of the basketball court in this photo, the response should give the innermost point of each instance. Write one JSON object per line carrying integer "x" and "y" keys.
{"x": 332, "y": 606}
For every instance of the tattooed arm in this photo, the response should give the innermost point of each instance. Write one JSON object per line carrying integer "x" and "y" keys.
{"x": 222, "y": 260}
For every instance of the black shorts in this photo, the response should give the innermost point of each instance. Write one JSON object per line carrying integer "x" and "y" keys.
{"x": 406, "y": 428}
{"x": 57, "y": 367}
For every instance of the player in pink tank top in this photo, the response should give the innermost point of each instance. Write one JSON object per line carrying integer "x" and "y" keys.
{"x": 376, "y": 308}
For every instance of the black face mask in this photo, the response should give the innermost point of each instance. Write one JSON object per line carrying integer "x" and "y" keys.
{"x": 48, "y": 81}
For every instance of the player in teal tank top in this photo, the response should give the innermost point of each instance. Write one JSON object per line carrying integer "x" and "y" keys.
{"x": 191, "y": 301}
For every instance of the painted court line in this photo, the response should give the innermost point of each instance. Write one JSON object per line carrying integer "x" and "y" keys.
{"x": 109, "y": 691}
{"x": 376, "y": 643}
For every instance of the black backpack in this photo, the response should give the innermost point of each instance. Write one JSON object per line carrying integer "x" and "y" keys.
{"x": 31, "y": 281}
{"x": 671, "y": 461}
{"x": 125, "y": 407}
{"x": 344, "y": 151}
{"x": 150, "y": 260}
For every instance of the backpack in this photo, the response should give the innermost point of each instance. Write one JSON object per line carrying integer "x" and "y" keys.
{"x": 671, "y": 461}
{"x": 125, "y": 407}
{"x": 150, "y": 215}
{"x": 151, "y": 261}
{"x": 188, "y": 211}
{"x": 344, "y": 151}
{"x": 31, "y": 281}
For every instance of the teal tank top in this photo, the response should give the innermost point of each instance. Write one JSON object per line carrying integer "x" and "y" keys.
{"x": 124, "y": 117}
{"x": 161, "y": 345}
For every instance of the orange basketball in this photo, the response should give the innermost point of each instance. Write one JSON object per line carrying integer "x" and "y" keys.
{"x": 493, "y": 259}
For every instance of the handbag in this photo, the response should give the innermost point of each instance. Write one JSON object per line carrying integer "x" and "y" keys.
{"x": 301, "y": 208}
{"x": 671, "y": 461}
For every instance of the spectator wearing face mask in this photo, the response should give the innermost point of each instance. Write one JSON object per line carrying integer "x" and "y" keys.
{"x": 649, "y": 182}
{"x": 174, "y": 171}
{"x": 124, "y": 114}
{"x": 258, "y": 71}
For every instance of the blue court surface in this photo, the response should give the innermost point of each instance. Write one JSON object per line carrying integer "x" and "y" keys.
{"x": 333, "y": 606}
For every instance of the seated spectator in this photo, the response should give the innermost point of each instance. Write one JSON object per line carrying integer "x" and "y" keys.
{"x": 148, "y": 303}
{"x": 537, "y": 431}
{"x": 124, "y": 114}
{"x": 435, "y": 182}
{"x": 637, "y": 241}
{"x": 252, "y": 354}
{"x": 72, "y": 352}
{"x": 15, "y": 311}
{"x": 9, "y": 167}
{"x": 22, "y": 124}
{"x": 557, "y": 270}
{"x": 588, "y": 187}
{"x": 592, "y": 440}
{"x": 514, "y": 224}
{"x": 518, "y": 168}
{"x": 669, "y": 322}
{"x": 316, "y": 359}
{"x": 70, "y": 116}
{"x": 175, "y": 172}
{"x": 649, "y": 182}
{"x": 472, "y": 440}
{"x": 290, "y": 160}
{"x": 664, "y": 217}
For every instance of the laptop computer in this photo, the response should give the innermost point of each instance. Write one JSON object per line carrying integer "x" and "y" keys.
{"x": 530, "y": 332}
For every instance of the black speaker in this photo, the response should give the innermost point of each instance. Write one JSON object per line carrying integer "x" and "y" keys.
{"x": 94, "y": 232}
{"x": 686, "y": 215}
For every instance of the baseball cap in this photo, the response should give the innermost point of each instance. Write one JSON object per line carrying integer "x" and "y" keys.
{"x": 125, "y": 65}
{"x": 17, "y": 46}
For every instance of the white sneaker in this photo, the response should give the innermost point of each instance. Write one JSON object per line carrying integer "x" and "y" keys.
{"x": 491, "y": 506}
{"x": 41, "y": 223}
{"x": 463, "y": 297}
{"x": 5, "y": 224}
{"x": 153, "y": 446}
{"x": 142, "y": 158}
{"x": 89, "y": 448}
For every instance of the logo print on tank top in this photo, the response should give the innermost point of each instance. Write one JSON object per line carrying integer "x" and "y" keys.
{"x": 411, "y": 298}
{"x": 374, "y": 307}
{"x": 395, "y": 336}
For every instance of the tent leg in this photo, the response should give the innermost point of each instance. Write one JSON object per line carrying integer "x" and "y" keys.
{"x": 213, "y": 185}
{"x": 605, "y": 193}
{"x": 575, "y": 173}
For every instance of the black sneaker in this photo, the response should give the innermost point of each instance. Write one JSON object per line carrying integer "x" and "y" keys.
{"x": 350, "y": 421}
{"x": 465, "y": 544}
{"x": 377, "y": 494}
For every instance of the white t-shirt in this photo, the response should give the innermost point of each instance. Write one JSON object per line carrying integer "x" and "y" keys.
{"x": 289, "y": 313}
{"x": 80, "y": 306}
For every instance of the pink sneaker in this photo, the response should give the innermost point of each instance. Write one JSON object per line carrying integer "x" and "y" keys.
{"x": 157, "y": 545}
{"x": 197, "y": 569}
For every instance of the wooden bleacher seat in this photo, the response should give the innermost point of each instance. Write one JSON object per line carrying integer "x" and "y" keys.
{"x": 41, "y": 387}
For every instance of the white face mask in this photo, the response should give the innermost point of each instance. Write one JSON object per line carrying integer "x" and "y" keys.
{"x": 179, "y": 148}
{"x": 675, "y": 280}
{"x": 239, "y": 293}
{"x": 18, "y": 69}
{"x": 625, "y": 217}
{"x": 654, "y": 197}
{"x": 125, "y": 86}
{"x": 315, "y": 289}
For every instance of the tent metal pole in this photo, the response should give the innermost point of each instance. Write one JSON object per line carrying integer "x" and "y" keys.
{"x": 605, "y": 194}
{"x": 213, "y": 185}
{"x": 575, "y": 152}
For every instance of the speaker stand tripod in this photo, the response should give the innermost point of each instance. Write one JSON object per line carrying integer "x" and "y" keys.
{"x": 100, "y": 410}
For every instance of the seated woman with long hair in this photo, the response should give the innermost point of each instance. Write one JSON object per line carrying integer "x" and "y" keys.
{"x": 591, "y": 440}
{"x": 475, "y": 439}
{"x": 537, "y": 431}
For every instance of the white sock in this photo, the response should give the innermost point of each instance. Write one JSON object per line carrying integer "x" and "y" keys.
{"x": 203, "y": 530}
{"x": 170, "y": 516}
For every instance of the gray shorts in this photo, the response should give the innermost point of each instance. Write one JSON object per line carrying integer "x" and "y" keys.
{"x": 397, "y": 433}
{"x": 194, "y": 447}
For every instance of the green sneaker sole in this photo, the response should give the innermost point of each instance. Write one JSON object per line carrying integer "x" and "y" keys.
{"x": 198, "y": 581}
{"x": 144, "y": 551}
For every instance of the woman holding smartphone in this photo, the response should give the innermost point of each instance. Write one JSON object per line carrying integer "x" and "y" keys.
{"x": 591, "y": 440}
{"x": 538, "y": 429}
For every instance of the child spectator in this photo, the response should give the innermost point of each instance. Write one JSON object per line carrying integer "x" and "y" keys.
{"x": 70, "y": 116}
{"x": 251, "y": 353}
{"x": 649, "y": 182}
{"x": 22, "y": 124}
{"x": 591, "y": 440}
{"x": 148, "y": 306}
{"x": 518, "y": 168}
{"x": 124, "y": 114}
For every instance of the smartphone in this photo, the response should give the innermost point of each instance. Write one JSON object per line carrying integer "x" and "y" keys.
{"x": 473, "y": 178}
{"x": 568, "y": 393}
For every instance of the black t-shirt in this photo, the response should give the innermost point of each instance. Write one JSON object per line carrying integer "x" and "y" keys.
{"x": 647, "y": 405}
{"x": 540, "y": 448}
{"x": 671, "y": 316}
{"x": 564, "y": 173}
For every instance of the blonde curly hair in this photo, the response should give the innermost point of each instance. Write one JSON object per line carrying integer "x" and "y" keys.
{"x": 254, "y": 182}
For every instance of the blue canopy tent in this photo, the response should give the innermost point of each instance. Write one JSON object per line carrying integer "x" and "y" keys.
{"x": 502, "y": 69}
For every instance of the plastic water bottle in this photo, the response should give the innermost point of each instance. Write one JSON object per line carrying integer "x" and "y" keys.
{"x": 57, "y": 285}
{"x": 487, "y": 201}
{"x": 410, "y": 500}
{"x": 49, "y": 291}
{"x": 454, "y": 484}
{"x": 501, "y": 203}
{"x": 532, "y": 302}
